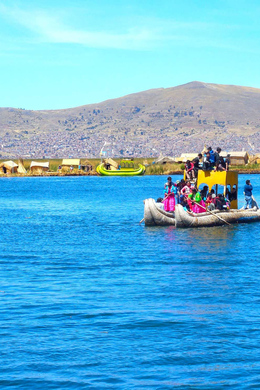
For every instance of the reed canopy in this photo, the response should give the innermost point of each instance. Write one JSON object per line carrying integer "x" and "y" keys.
{"x": 8, "y": 167}
{"x": 39, "y": 168}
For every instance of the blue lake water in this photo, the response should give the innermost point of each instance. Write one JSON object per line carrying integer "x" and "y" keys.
{"x": 89, "y": 299}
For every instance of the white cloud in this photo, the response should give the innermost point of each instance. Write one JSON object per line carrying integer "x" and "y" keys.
{"x": 51, "y": 29}
{"x": 143, "y": 33}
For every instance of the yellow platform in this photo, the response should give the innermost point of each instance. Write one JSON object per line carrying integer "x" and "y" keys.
{"x": 223, "y": 178}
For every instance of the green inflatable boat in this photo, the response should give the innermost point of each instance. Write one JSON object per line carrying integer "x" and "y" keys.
{"x": 125, "y": 168}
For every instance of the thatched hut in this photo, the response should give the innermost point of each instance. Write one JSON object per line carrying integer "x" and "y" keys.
{"x": 164, "y": 160}
{"x": 8, "y": 167}
{"x": 71, "y": 162}
{"x": 237, "y": 158}
{"x": 38, "y": 168}
{"x": 87, "y": 166}
{"x": 185, "y": 156}
{"x": 254, "y": 159}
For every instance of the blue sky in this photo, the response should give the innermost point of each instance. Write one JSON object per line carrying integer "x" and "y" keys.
{"x": 59, "y": 54}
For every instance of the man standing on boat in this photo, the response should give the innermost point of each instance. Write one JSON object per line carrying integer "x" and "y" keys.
{"x": 248, "y": 188}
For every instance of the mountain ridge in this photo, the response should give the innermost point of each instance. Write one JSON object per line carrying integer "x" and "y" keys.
{"x": 166, "y": 120}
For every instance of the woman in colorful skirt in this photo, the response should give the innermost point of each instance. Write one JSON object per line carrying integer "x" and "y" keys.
{"x": 195, "y": 202}
{"x": 169, "y": 195}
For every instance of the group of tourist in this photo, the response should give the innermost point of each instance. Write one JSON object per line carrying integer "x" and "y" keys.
{"x": 192, "y": 199}
{"x": 198, "y": 201}
{"x": 209, "y": 160}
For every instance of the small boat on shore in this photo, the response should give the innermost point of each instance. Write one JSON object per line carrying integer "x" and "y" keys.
{"x": 103, "y": 171}
{"x": 154, "y": 215}
{"x": 110, "y": 167}
{"x": 126, "y": 168}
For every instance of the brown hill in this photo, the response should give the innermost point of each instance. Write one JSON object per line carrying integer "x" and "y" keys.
{"x": 170, "y": 121}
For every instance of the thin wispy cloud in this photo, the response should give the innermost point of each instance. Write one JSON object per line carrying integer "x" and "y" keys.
{"x": 52, "y": 29}
{"x": 142, "y": 34}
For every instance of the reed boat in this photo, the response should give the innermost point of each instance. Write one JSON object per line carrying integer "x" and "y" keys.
{"x": 220, "y": 181}
{"x": 126, "y": 168}
{"x": 101, "y": 170}
{"x": 183, "y": 219}
{"x": 155, "y": 216}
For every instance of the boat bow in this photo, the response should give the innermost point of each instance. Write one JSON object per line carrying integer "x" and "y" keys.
{"x": 155, "y": 216}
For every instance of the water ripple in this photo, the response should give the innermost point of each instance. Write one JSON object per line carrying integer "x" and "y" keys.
{"x": 92, "y": 300}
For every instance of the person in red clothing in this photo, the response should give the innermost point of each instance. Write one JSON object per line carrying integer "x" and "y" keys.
{"x": 189, "y": 169}
{"x": 186, "y": 190}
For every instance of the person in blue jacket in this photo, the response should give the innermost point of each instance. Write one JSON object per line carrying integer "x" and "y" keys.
{"x": 212, "y": 158}
{"x": 248, "y": 188}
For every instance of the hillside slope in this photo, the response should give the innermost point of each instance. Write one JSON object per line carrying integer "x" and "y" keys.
{"x": 169, "y": 121}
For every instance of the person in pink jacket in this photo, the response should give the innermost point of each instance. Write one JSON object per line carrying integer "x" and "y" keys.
{"x": 169, "y": 195}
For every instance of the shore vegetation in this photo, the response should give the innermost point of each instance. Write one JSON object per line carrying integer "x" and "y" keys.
{"x": 151, "y": 168}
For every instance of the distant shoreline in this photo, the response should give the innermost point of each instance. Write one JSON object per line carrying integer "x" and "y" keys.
{"x": 168, "y": 168}
{"x": 239, "y": 171}
{"x": 180, "y": 172}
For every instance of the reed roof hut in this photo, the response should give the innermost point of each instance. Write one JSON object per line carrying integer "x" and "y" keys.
{"x": 255, "y": 158}
{"x": 164, "y": 160}
{"x": 186, "y": 156}
{"x": 39, "y": 168}
{"x": 237, "y": 158}
{"x": 9, "y": 167}
{"x": 71, "y": 162}
{"x": 87, "y": 166}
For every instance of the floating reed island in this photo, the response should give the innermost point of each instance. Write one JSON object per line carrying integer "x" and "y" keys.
{"x": 88, "y": 167}
{"x": 65, "y": 167}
